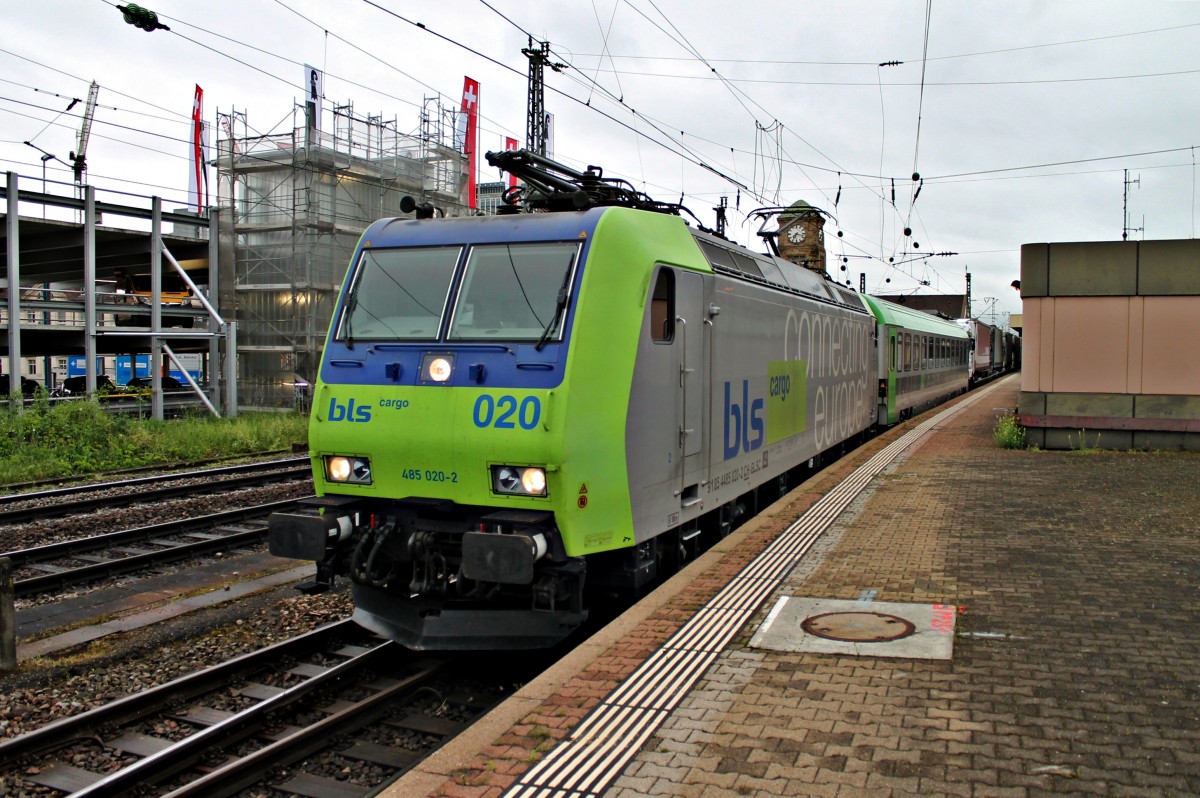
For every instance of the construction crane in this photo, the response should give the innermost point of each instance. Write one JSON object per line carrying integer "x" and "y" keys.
{"x": 79, "y": 156}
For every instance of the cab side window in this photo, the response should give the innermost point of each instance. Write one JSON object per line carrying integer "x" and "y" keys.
{"x": 662, "y": 307}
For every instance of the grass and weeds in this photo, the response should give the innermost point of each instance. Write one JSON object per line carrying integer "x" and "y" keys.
{"x": 45, "y": 441}
{"x": 1083, "y": 444}
{"x": 1008, "y": 432}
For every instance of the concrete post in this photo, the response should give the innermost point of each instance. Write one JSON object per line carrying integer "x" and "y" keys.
{"x": 14, "y": 285}
{"x": 156, "y": 362}
{"x": 90, "y": 325}
{"x": 8, "y": 618}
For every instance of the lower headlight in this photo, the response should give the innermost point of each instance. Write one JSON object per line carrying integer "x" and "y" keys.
{"x": 350, "y": 470}
{"x": 519, "y": 480}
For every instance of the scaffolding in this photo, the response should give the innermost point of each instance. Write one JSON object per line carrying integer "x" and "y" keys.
{"x": 293, "y": 206}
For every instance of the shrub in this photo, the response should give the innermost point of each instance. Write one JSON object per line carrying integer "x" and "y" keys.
{"x": 47, "y": 441}
{"x": 1009, "y": 433}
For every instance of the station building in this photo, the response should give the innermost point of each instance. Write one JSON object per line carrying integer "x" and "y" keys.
{"x": 1110, "y": 345}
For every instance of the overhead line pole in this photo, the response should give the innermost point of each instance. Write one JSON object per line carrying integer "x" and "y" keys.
{"x": 535, "y": 123}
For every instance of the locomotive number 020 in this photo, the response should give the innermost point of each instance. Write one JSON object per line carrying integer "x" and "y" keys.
{"x": 507, "y": 412}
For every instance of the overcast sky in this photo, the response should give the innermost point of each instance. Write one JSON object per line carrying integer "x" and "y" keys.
{"x": 1020, "y": 117}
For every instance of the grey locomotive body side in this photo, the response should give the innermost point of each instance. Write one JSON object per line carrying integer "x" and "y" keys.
{"x": 753, "y": 381}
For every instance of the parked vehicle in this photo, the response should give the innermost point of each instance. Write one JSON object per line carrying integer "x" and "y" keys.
{"x": 28, "y": 387}
{"x": 77, "y": 386}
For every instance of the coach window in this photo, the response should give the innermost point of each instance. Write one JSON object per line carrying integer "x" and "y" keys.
{"x": 908, "y": 351}
{"x": 662, "y": 307}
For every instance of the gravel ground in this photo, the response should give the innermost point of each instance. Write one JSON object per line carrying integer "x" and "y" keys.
{"x": 45, "y": 689}
{"x": 46, "y": 531}
{"x": 53, "y": 530}
{"x": 49, "y": 688}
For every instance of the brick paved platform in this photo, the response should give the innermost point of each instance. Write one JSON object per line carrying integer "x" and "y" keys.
{"x": 1076, "y": 662}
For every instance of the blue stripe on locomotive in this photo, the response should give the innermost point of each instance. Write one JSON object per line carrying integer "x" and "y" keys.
{"x": 506, "y": 365}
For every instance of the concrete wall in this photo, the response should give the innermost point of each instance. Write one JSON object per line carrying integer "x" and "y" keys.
{"x": 1111, "y": 344}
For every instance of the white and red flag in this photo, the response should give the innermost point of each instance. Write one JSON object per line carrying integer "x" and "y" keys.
{"x": 511, "y": 144}
{"x": 470, "y": 133}
{"x": 198, "y": 160}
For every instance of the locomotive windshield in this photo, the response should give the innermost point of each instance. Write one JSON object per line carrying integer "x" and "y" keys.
{"x": 399, "y": 293}
{"x": 512, "y": 292}
{"x": 516, "y": 292}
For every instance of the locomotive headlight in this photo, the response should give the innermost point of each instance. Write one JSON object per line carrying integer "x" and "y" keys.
{"x": 351, "y": 470}
{"x": 437, "y": 368}
{"x": 533, "y": 481}
{"x": 519, "y": 480}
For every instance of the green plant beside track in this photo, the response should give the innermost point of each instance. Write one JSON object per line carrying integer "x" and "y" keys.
{"x": 45, "y": 441}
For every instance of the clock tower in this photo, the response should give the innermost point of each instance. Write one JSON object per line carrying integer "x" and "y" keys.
{"x": 802, "y": 236}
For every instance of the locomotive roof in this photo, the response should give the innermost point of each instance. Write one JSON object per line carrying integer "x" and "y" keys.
{"x": 734, "y": 259}
{"x": 482, "y": 229}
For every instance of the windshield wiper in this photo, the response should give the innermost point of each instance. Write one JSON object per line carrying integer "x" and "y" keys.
{"x": 559, "y": 306}
{"x": 351, "y": 304}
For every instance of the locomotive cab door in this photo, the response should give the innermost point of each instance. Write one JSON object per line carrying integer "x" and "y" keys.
{"x": 666, "y": 425}
{"x": 693, "y": 376}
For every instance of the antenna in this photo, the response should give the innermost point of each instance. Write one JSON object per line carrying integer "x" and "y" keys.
{"x": 1126, "y": 229}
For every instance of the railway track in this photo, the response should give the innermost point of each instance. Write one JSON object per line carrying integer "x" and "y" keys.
{"x": 84, "y": 481}
{"x": 21, "y": 507}
{"x": 256, "y": 718}
{"x": 72, "y": 562}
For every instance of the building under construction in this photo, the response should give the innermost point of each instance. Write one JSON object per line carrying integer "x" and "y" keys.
{"x": 290, "y": 210}
{"x": 292, "y": 207}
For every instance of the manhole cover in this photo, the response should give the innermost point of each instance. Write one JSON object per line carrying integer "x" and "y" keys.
{"x": 858, "y": 627}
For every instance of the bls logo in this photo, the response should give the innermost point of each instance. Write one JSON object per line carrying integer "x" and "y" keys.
{"x": 348, "y": 411}
{"x": 741, "y": 420}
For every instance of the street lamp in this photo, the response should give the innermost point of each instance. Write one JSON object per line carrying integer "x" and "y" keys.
{"x": 46, "y": 156}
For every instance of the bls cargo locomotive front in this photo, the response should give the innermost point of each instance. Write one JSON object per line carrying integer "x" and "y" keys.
{"x": 513, "y": 408}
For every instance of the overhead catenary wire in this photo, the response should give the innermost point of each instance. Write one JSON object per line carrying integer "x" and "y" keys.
{"x": 729, "y": 152}
{"x": 790, "y": 62}
{"x": 674, "y": 145}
